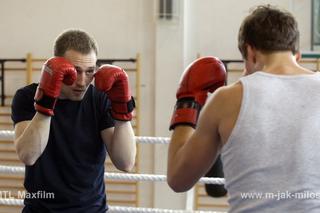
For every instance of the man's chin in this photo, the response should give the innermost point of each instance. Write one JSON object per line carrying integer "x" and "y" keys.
{"x": 76, "y": 98}
{"x": 74, "y": 95}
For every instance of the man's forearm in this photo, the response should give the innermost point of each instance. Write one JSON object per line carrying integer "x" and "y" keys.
{"x": 179, "y": 137}
{"x": 123, "y": 148}
{"x": 31, "y": 141}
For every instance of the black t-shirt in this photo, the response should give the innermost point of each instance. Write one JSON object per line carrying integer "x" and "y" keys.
{"x": 72, "y": 164}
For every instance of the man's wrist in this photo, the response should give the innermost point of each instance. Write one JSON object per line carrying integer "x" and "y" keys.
{"x": 186, "y": 113}
{"x": 123, "y": 111}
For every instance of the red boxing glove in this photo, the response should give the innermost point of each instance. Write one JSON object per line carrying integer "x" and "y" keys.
{"x": 113, "y": 80}
{"x": 54, "y": 71}
{"x": 202, "y": 76}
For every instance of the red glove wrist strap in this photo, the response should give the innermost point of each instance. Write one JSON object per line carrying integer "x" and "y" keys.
{"x": 186, "y": 113}
{"x": 122, "y": 107}
{"x": 46, "y": 102}
{"x": 123, "y": 111}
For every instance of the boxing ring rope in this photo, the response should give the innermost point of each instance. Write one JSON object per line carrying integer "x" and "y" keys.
{"x": 6, "y": 134}
{"x": 18, "y": 202}
{"x": 9, "y": 135}
{"x": 120, "y": 176}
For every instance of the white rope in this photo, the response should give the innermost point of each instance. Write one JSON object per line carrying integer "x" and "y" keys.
{"x": 6, "y": 135}
{"x": 9, "y": 135}
{"x": 117, "y": 176}
{"x": 153, "y": 140}
{"x": 150, "y": 177}
{"x": 120, "y": 176}
{"x": 141, "y": 210}
{"x": 11, "y": 169}
{"x": 19, "y": 202}
{"x": 11, "y": 202}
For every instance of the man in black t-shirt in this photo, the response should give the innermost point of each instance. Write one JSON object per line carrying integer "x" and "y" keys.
{"x": 64, "y": 126}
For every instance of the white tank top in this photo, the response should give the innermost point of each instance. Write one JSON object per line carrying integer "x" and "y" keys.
{"x": 272, "y": 158}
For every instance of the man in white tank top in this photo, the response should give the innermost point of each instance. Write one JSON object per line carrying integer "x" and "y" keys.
{"x": 266, "y": 126}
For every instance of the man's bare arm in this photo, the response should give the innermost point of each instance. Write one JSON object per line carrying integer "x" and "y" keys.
{"x": 31, "y": 138}
{"x": 121, "y": 145}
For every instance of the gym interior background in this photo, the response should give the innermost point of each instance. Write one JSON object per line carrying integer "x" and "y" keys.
{"x": 166, "y": 38}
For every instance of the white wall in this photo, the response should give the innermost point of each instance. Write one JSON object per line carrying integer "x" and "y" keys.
{"x": 126, "y": 27}
{"x": 213, "y": 25}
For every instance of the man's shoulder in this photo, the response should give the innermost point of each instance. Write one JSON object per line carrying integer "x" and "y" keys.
{"x": 26, "y": 92}
{"x": 22, "y": 103}
{"x": 228, "y": 92}
{"x": 226, "y": 99}
{"x": 29, "y": 89}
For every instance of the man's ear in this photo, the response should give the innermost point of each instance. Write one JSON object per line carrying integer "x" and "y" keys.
{"x": 298, "y": 56}
{"x": 251, "y": 54}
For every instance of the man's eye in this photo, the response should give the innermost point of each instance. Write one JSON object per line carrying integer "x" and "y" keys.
{"x": 89, "y": 72}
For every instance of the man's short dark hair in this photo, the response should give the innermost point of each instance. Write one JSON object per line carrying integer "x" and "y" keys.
{"x": 74, "y": 39}
{"x": 269, "y": 29}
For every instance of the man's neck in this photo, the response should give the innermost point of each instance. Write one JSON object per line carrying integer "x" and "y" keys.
{"x": 281, "y": 63}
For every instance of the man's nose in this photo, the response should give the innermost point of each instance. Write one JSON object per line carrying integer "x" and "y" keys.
{"x": 81, "y": 79}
